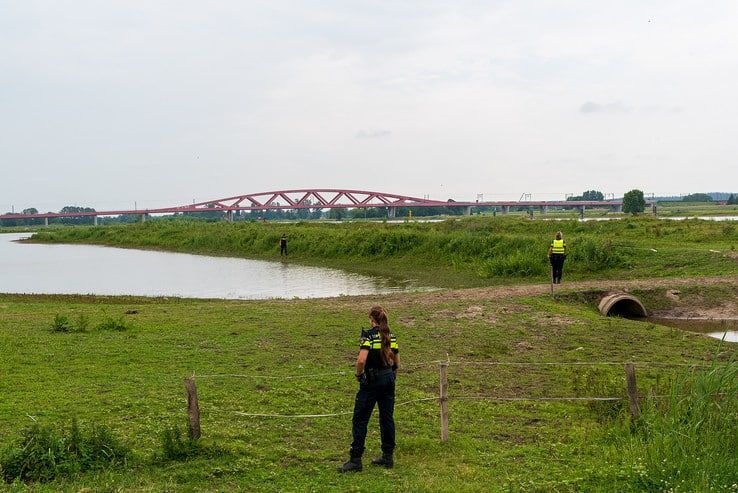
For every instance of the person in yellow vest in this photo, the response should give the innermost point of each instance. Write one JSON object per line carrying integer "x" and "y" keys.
{"x": 557, "y": 255}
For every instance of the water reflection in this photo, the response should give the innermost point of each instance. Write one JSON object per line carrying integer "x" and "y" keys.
{"x": 717, "y": 328}
{"x": 86, "y": 269}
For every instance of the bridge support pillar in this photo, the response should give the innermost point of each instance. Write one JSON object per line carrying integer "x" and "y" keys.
{"x": 229, "y": 216}
{"x": 46, "y": 221}
{"x": 544, "y": 209}
{"x": 467, "y": 210}
{"x": 94, "y": 220}
{"x": 391, "y": 212}
{"x": 143, "y": 218}
{"x": 506, "y": 209}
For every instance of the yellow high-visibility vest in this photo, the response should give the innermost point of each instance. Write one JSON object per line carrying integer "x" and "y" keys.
{"x": 558, "y": 246}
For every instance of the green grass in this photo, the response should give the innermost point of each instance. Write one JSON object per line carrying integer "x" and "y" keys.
{"x": 456, "y": 253}
{"x": 132, "y": 381}
{"x": 667, "y": 209}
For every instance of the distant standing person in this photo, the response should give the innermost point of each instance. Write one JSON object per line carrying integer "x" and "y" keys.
{"x": 376, "y": 369}
{"x": 283, "y": 246}
{"x": 557, "y": 255}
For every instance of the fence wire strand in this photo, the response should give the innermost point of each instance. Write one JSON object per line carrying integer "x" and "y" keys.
{"x": 456, "y": 363}
{"x": 326, "y": 415}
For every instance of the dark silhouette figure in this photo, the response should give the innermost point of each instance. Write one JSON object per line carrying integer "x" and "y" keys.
{"x": 283, "y": 246}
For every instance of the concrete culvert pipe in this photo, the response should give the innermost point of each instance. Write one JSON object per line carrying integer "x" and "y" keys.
{"x": 622, "y": 305}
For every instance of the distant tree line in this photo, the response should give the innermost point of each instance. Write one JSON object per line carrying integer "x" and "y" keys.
{"x": 52, "y": 220}
{"x": 589, "y": 195}
{"x": 697, "y": 197}
{"x": 732, "y": 200}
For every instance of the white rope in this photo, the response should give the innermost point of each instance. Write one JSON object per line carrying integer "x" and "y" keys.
{"x": 457, "y": 363}
{"x": 260, "y": 415}
{"x": 425, "y": 399}
{"x": 271, "y": 377}
{"x": 328, "y": 415}
{"x": 304, "y": 375}
{"x": 492, "y": 398}
{"x": 571, "y": 363}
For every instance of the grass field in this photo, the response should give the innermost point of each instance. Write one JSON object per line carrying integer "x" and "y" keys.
{"x": 456, "y": 253}
{"x": 131, "y": 380}
{"x": 125, "y": 370}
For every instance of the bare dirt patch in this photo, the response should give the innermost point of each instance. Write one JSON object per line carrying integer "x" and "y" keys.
{"x": 727, "y": 310}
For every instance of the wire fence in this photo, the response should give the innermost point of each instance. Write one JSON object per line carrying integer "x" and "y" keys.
{"x": 443, "y": 397}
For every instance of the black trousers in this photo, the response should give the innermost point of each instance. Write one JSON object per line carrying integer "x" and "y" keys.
{"x": 382, "y": 393}
{"x": 557, "y": 264}
{"x": 283, "y": 249}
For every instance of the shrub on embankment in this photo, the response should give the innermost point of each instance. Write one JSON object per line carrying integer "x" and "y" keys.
{"x": 482, "y": 247}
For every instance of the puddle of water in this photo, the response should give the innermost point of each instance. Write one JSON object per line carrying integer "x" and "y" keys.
{"x": 717, "y": 328}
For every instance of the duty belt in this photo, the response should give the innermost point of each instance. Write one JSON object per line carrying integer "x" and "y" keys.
{"x": 373, "y": 372}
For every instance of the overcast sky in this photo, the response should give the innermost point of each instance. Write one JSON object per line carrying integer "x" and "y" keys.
{"x": 107, "y": 103}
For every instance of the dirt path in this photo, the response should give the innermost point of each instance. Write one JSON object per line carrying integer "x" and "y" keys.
{"x": 614, "y": 285}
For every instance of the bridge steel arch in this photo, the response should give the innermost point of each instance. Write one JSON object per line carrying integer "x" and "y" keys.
{"x": 318, "y": 198}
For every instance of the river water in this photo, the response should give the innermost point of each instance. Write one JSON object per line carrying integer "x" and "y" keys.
{"x": 614, "y": 218}
{"x": 86, "y": 269}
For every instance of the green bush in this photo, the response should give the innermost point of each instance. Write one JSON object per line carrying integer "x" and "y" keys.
{"x": 60, "y": 324}
{"x": 115, "y": 324}
{"x": 43, "y": 453}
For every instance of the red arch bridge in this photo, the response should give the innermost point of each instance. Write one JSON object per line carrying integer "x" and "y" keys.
{"x": 325, "y": 198}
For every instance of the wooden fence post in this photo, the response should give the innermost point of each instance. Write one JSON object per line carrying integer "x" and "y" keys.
{"x": 193, "y": 408}
{"x": 443, "y": 400}
{"x": 630, "y": 378}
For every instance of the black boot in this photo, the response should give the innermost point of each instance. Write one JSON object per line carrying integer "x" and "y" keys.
{"x": 386, "y": 460}
{"x": 353, "y": 465}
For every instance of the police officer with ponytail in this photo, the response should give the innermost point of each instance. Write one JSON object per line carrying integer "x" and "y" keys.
{"x": 557, "y": 255}
{"x": 376, "y": 368}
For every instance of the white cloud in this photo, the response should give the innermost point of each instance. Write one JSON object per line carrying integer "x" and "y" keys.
{"x": 592, "y": 107}
{"x": 373, "y": 134}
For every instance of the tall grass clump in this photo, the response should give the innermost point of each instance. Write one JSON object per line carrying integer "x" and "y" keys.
{"x": 44, "y": 453}
{"x": 115, "y": 324}
{"x": 175, "y": 446}
{"x": 687, "y": 441}
{"x": 596, "y": 255}
{"x": 60, "y": 324}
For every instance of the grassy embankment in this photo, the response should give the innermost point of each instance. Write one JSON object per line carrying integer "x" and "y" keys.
{"x": 131, "y": 380}
{"x": 455, "y": 253}
{"x": 695, "y": 209}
